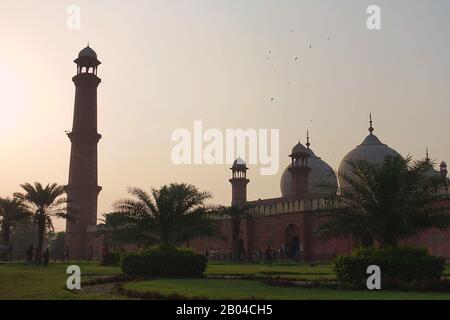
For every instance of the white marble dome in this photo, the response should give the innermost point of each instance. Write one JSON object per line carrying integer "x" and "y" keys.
{"x": 371, "y": 149}
{"x": 321, "y": 179}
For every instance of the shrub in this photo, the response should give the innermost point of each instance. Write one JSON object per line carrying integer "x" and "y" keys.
{"x": 112, "y": 259}
{"x": 172, "y": 263}
{"x": 400, "y": 264}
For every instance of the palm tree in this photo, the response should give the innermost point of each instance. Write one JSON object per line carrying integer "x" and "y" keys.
{"x": 12, "y": 212}
{"x": 119, "y": 228}
{"x": 236, "y": 215}
{"x": 45, "y": 203}
{"x": 387, "y": 202}
{"x": 169, "y": 216}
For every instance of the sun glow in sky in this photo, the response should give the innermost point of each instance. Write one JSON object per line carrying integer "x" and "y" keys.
{"x": 169, "y": 63}
{"x": 14, "y": 99}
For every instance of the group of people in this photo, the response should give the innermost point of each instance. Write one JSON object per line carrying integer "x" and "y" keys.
{"x": 269, "y": 254}
{"x": 281, "y": 253}
{"x": 214, "y": 254}
{"x": 36, "y": 257}
{"x": 6, "y": 253}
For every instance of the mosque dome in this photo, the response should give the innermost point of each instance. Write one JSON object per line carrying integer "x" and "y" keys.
{"x": 321, "y": 178}
{"x": 239, "y": 162}
{"x": 87, "y": 52}
{"x": 239, "y": 165}
{"x": 371, "y": 149}
{"x": 299, "y": 149}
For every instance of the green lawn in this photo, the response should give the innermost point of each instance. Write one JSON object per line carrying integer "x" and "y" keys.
{"x": 20, "y": 282}
{"x": 282, "y": 270}
{"x": 244, "y": 289}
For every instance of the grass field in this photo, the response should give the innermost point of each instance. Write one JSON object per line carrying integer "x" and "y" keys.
{"x": 283, "y": 270}
{"x": 244, "y": 289}
{"x": 20, "y": 282}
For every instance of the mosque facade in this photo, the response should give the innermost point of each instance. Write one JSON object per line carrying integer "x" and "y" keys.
{"x": 287, "y": 222}
{"x": 308, "y": 185}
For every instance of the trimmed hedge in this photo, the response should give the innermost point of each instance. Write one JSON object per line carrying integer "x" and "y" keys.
{"x": 171, "y": 263}
{"x": 112, "y": 259}
{"x": 401, "y": 264}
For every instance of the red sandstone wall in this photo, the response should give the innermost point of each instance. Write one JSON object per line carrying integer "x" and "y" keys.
{"x": 328, "y": 249}
{"x": 270, "y": 230}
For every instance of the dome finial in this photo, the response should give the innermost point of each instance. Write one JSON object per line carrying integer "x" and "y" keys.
{"x": 308, "y": 144}
{"x": 427, "y": 157}
{"x": 371, "y": 129}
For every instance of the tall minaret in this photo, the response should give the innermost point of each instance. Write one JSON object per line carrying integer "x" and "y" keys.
{"x": 300, "y": 171}
{"x": 82, "y": 189}
{"x": 239, "y": 183}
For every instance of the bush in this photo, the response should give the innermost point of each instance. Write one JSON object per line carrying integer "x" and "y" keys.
{"x": 172, "y": 263}
{"x": 401, "y": 264}
{"x": 112, "y": 259}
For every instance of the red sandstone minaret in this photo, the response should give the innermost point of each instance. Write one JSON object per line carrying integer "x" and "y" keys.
{"x": 239, "y": 183}
{"x": 299, "y": 171}
{"x": 82, "y": 189}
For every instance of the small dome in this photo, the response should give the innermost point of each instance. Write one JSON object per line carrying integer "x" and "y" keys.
{"x": 87, "y": 52}
{"x": 371, "y": 149}
{"x": 299, "y": 148}
{"x": 239, "y": 165}
{"x": 239, "y": 162}
{"x": 321, "y": 179}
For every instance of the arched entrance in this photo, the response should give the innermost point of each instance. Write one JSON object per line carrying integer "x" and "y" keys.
{"x": 295, "y": 247}
{"x": 292, "y": 241}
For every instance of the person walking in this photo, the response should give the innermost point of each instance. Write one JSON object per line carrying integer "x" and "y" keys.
{"x": 105, "y": 254}
{"x": 11, "y": 251}
{"x": 3, "y": 253}
{"x": 269, "y": 256}
{"x": 91, "y": 253}
{"x": 46, "y": 257}
{"x": 29, "y": 255}
{"x": 66, "y": 257}
{"x": 37, "y": 256}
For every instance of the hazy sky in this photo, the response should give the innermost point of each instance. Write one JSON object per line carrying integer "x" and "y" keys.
{"x": 168, "y": 63}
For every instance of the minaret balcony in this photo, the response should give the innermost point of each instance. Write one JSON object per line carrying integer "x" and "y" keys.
{"x": 76, "y": 136}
